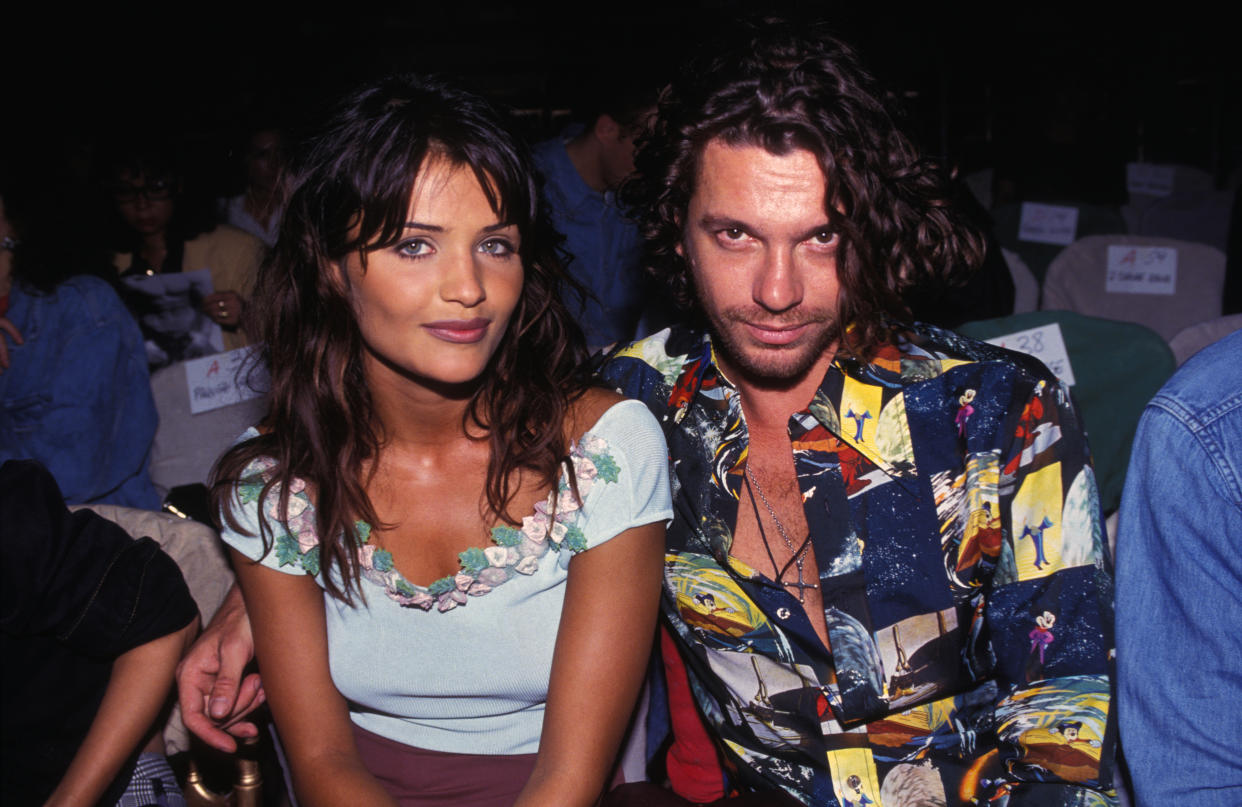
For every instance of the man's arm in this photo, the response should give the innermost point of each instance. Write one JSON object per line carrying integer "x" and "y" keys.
{"x": 136, "y": 692}
{"x": 1049, "y": 609}
{"x": 212, "y": 691}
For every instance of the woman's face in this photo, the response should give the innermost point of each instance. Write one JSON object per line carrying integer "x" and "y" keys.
{"x": 146, "y": 203}
{"x": 435, "y": 306}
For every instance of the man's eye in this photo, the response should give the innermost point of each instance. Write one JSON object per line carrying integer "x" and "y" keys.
{"x": 733, "y": 233}
{"x": 825, "y": 238}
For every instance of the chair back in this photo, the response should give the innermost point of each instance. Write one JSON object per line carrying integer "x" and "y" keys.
{"x": 1164, "y": 284}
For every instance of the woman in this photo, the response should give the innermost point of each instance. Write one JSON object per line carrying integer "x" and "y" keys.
{"x": 162, "y": 230}
{"x": 426, "y": 392}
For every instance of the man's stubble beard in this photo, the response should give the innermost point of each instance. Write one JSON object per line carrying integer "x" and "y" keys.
{"x": 767, "y": 365}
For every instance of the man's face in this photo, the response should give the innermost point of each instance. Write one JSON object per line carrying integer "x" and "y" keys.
{"x": 764, "y": 259}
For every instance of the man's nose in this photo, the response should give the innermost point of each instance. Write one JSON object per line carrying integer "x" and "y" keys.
{"x": 779, "y": 284}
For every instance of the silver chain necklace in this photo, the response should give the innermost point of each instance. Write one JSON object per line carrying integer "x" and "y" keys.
{"x": 799, "y": 553}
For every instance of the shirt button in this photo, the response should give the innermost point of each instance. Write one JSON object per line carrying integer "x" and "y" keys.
{"x": 782, "y": 612}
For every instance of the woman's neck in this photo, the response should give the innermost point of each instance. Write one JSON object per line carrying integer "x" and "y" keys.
{"x": 413, "y": 416}
{"x": 153, "y": 249}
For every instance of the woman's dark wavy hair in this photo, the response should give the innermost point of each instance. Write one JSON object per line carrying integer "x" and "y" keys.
{"x": 784, "y": 89}
{"x": 351, "y": 194}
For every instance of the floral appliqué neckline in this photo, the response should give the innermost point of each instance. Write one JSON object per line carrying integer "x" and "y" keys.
{"x": 514, "y": 550}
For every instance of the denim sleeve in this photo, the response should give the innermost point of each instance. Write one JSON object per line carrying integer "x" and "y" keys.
{"x": 1179, "y": 609}
{"x": 87, "y": 414}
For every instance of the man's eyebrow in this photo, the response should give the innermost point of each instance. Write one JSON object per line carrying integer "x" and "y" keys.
{"x": 711, "y": 222}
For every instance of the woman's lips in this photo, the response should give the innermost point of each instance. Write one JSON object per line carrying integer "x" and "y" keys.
{"x": 459, "y": 331}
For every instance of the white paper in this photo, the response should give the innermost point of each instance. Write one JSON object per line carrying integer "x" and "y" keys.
{"x": 1149, "y": 179}
{"x": 1044, "y": 343}
{"x": 1141, "y": 270}
{"x": 1048, "y": 224}
{"x": 223, "y": 379}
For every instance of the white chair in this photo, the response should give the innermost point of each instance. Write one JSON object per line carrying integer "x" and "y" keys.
{"x": 1025, "y": 286}
{"x": 187, "y": 445}
{"x": 1077, "y": 281}
{"x": 1190, "y": 341}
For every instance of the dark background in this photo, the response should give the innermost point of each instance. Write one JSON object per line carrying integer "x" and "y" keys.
{"x": 1063, "y": 96}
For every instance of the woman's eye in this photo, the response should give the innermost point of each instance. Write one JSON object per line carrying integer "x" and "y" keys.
{"x": 496, "y": 246}
{"x": 414, "y": 248}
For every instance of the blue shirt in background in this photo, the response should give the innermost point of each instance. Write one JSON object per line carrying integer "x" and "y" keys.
{"x": 605, "y": 244}
{"x": 76, "y": 396}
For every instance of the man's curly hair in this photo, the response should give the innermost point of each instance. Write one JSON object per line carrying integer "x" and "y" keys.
{"x": 785, "y": 89}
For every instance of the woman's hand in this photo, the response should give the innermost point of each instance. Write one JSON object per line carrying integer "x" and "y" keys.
{"x": 224, "y": 308}
{"x": 605, "y": 637}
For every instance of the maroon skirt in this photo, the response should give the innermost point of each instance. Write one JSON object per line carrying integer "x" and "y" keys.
{"x": 419, "y": 778}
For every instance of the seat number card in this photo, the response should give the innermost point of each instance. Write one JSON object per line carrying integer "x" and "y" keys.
{"x": 1048, "y": 224}
{"x": 1141, "y": 270}
{"x": 1044, "y": 343}
{"x": 222, "y": 379}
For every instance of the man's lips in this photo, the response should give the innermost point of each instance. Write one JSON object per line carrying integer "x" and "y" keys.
{"x": 776, "y": 333}
{"x": 461, "y": 331}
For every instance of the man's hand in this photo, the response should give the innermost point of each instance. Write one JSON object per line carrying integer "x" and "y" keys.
{"x": 7, "y": 327}
{"x": 213, "y": 695}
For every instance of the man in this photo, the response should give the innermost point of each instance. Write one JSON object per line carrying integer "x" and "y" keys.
{"x": 581, "y": 173}
{"x": 849, "y": 611}
{"x": 1179, "y": 565}
{"x": 847, "y": 593}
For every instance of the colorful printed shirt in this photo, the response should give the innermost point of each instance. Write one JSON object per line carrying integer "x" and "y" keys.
{"x": 968, "y": 603}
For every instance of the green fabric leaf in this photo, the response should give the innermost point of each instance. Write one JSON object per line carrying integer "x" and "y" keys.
{"x": 382, "y": 560}
{"x": 606, "y": 467}
{"x": 405, "y": 588}
{"x": 441, "y": 586}
{"x": 310, "y": 561}
{"x": 574, "y": 540}
{"x": 287, "y": 550}
{"x": 473, "y": 560}
{"x": 364, "y": 531}
{"x": 506, "y": 536}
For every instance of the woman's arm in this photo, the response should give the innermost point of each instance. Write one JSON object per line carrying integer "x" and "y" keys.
{"x": 136, "y": 692}
{"x": 605, "y": 636}
{"x": 291, "y": 643}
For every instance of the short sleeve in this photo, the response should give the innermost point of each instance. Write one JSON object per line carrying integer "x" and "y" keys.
{"x": 624, "y": 458}
{"x": 291, "y": 545}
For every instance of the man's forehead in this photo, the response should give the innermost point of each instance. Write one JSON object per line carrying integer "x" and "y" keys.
{"x": 756, "y": 185}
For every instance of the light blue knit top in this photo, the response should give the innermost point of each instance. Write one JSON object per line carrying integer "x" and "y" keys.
{"x": 462, "y": 665}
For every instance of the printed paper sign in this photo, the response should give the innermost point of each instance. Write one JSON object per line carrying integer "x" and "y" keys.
{"x": 223, "y": 379}
{"x": 1149, "y": 179}
{"x": 1044, "y": 343}
{"x": 1141, "y": 270}
{"x": 1048, "y": 224}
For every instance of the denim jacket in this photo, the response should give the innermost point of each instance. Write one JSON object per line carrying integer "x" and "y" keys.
{"x": 1179, "y": 587}
{"x": 76, "y": 396}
